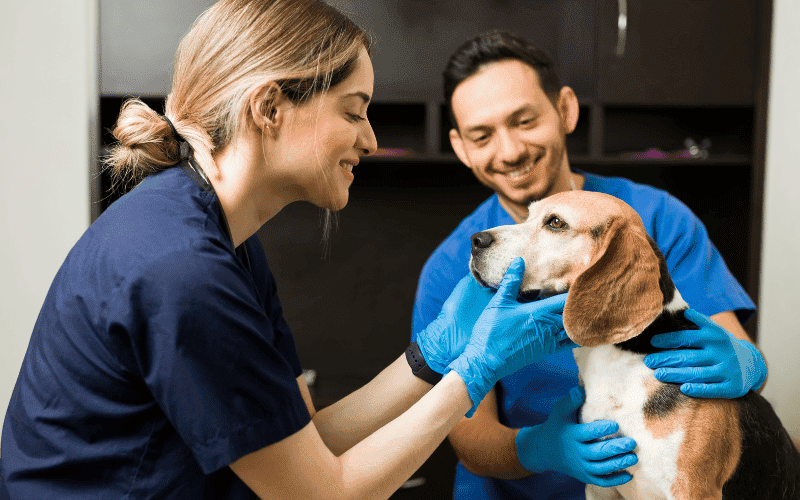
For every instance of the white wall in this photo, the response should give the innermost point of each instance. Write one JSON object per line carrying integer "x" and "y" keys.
{"x": 779, "y": 316}
{"x": 48, "y": 91}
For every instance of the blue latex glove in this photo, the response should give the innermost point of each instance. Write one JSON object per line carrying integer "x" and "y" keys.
{"x": 509, "y": 336}
{"x": 443, "y": 340}
{"x": 563, "y": 445}
{"x": 708, "y": 363}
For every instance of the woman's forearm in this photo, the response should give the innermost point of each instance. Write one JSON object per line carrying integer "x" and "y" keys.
{"x": 301, "y": 466}
{"x": 380, "y": 463}
{"x": 358, "y": 415}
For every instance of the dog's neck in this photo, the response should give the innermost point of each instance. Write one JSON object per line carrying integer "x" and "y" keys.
{"x": 667, "y": 321}
{"x": 671, "y": 318}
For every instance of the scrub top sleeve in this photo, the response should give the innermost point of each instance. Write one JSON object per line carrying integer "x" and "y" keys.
{"x": 206, "y": 350}
{"x": 695, "y": 264}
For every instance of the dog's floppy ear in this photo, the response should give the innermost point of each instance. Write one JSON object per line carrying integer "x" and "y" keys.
{"x": 618, "y": 295}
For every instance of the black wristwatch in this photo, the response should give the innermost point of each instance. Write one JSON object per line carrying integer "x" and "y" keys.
{"x": 418, "y": 365}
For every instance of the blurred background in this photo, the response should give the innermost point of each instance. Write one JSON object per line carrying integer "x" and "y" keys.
{"x": 698, "y": 97}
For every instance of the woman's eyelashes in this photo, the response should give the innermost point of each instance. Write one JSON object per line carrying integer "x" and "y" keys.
{"x": 355, "y": 117}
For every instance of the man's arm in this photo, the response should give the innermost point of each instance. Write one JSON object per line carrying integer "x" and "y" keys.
{"x": 730, "y": 322}
{"x": 485, "y": 446}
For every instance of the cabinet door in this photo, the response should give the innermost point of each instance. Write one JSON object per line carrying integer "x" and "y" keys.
{"x": 415, "y": 38}
{"x": 677, "y": 51}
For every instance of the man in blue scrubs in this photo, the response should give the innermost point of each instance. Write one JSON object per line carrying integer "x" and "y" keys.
{"x": 512, "y": 117}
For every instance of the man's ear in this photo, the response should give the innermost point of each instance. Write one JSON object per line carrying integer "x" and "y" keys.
{"x": 458, "y": 146}
{"x": 266, "y": 106}
{"x": 568, "y": 108}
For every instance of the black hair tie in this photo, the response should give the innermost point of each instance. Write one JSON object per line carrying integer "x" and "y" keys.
{"x": 185, "y": 148}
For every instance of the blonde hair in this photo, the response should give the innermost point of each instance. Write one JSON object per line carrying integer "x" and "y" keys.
{"x": 305, "y": 46}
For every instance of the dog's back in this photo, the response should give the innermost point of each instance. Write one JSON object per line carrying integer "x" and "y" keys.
{"x": 769, "y": 468}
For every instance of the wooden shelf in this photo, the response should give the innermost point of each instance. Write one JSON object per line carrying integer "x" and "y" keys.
{"x": 578, "y": 160}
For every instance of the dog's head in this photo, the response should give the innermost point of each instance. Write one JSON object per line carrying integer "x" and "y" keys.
{"x": 593, "y": 245}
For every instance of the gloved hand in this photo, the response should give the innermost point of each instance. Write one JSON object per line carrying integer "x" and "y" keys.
{"x": 709, "y": 363}
{"x": 563, "y": 445}
{"x": 509, "y": 335}
{"x": 445, "y": 337}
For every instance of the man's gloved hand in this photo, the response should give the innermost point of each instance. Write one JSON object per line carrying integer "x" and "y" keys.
{"x": 509, "y": 335}
{"x": 561, "y": 444}
{"x": 709, "y": 363}
{"x": 445, "y": 337}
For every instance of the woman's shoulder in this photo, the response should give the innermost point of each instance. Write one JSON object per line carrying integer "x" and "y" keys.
{"x": 162, "y": 220}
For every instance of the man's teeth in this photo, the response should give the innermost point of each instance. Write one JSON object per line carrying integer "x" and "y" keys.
{"x": 522, "y": 171}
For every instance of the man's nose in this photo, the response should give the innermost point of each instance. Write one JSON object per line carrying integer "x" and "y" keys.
{"x": 510, "y": 149}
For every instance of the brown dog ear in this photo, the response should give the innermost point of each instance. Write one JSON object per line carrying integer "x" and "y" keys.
{"x": 618, "y": 295}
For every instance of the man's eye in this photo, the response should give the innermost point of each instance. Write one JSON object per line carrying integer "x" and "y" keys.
{"x": 556, "y": 223}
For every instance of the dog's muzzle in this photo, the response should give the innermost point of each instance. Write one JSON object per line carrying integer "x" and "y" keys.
{"x": 481, "y": 241}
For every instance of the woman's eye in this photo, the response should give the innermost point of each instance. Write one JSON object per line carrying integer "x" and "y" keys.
{"x": 356, "y": 118}
{"x": 556, "y": 223}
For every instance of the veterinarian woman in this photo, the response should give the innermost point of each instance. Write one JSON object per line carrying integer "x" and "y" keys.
{"x": 160, "y": 365}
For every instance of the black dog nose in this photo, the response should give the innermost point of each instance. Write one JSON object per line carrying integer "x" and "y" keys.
{"x": 481, "y": 240}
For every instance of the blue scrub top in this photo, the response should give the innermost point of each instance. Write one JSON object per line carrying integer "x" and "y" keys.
{"x": 527, "y": 397}
{"x": 158, "y": 359}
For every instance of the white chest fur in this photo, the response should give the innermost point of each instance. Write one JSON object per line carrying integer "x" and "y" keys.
{"x": 615, "y": 390}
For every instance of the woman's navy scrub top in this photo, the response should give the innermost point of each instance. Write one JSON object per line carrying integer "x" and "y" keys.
{"x": 157, "y": 360}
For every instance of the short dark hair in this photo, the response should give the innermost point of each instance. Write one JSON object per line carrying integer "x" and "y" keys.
{"x": 493, "y": 46}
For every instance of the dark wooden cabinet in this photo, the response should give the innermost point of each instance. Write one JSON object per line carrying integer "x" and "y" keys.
{"x": 685, "y": 52}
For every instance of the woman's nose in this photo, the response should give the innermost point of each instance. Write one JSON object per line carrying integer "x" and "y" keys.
{"x": 366, "y": 141}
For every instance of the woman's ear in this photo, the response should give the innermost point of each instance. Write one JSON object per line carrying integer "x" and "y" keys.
{"x": 568, "y": 109}
{"x": 265, "y": 102}
{"x": 618, "y": 295}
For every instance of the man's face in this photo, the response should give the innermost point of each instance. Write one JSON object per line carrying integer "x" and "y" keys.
{"x": 510, "y": 134}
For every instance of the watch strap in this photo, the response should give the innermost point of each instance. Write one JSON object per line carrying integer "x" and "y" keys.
{"x": 419, "y": 366}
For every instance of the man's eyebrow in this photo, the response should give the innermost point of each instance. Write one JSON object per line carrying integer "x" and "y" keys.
{"x": 363, "y": 95}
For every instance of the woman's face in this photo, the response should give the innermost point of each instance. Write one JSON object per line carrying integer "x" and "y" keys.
{"x": 324, "y": 139}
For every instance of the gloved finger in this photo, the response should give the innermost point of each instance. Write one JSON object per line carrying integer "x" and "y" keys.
{"x": 685, "y": 357}
{"x": 682, "y": 375}
{"x": 700, "y": 319}
{"x": 604, "y": 450}
{"x": 611, "y": 465}
{"x": 553, "y": 305}
{"x": 594, "y": 430}
{"x": 677, "y": 340}
{"x": 565, "y": 344}
{"x": 569, "y": 404}
{"x": 509, "y": 286}
{"x": 615, "y": 479}
{"x": 721, "y": 390}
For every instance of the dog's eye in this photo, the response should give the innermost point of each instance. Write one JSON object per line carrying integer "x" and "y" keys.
{"x": 555, "y": 223}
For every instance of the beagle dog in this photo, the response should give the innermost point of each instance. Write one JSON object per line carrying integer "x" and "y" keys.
{"x": 620, "y": 296}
